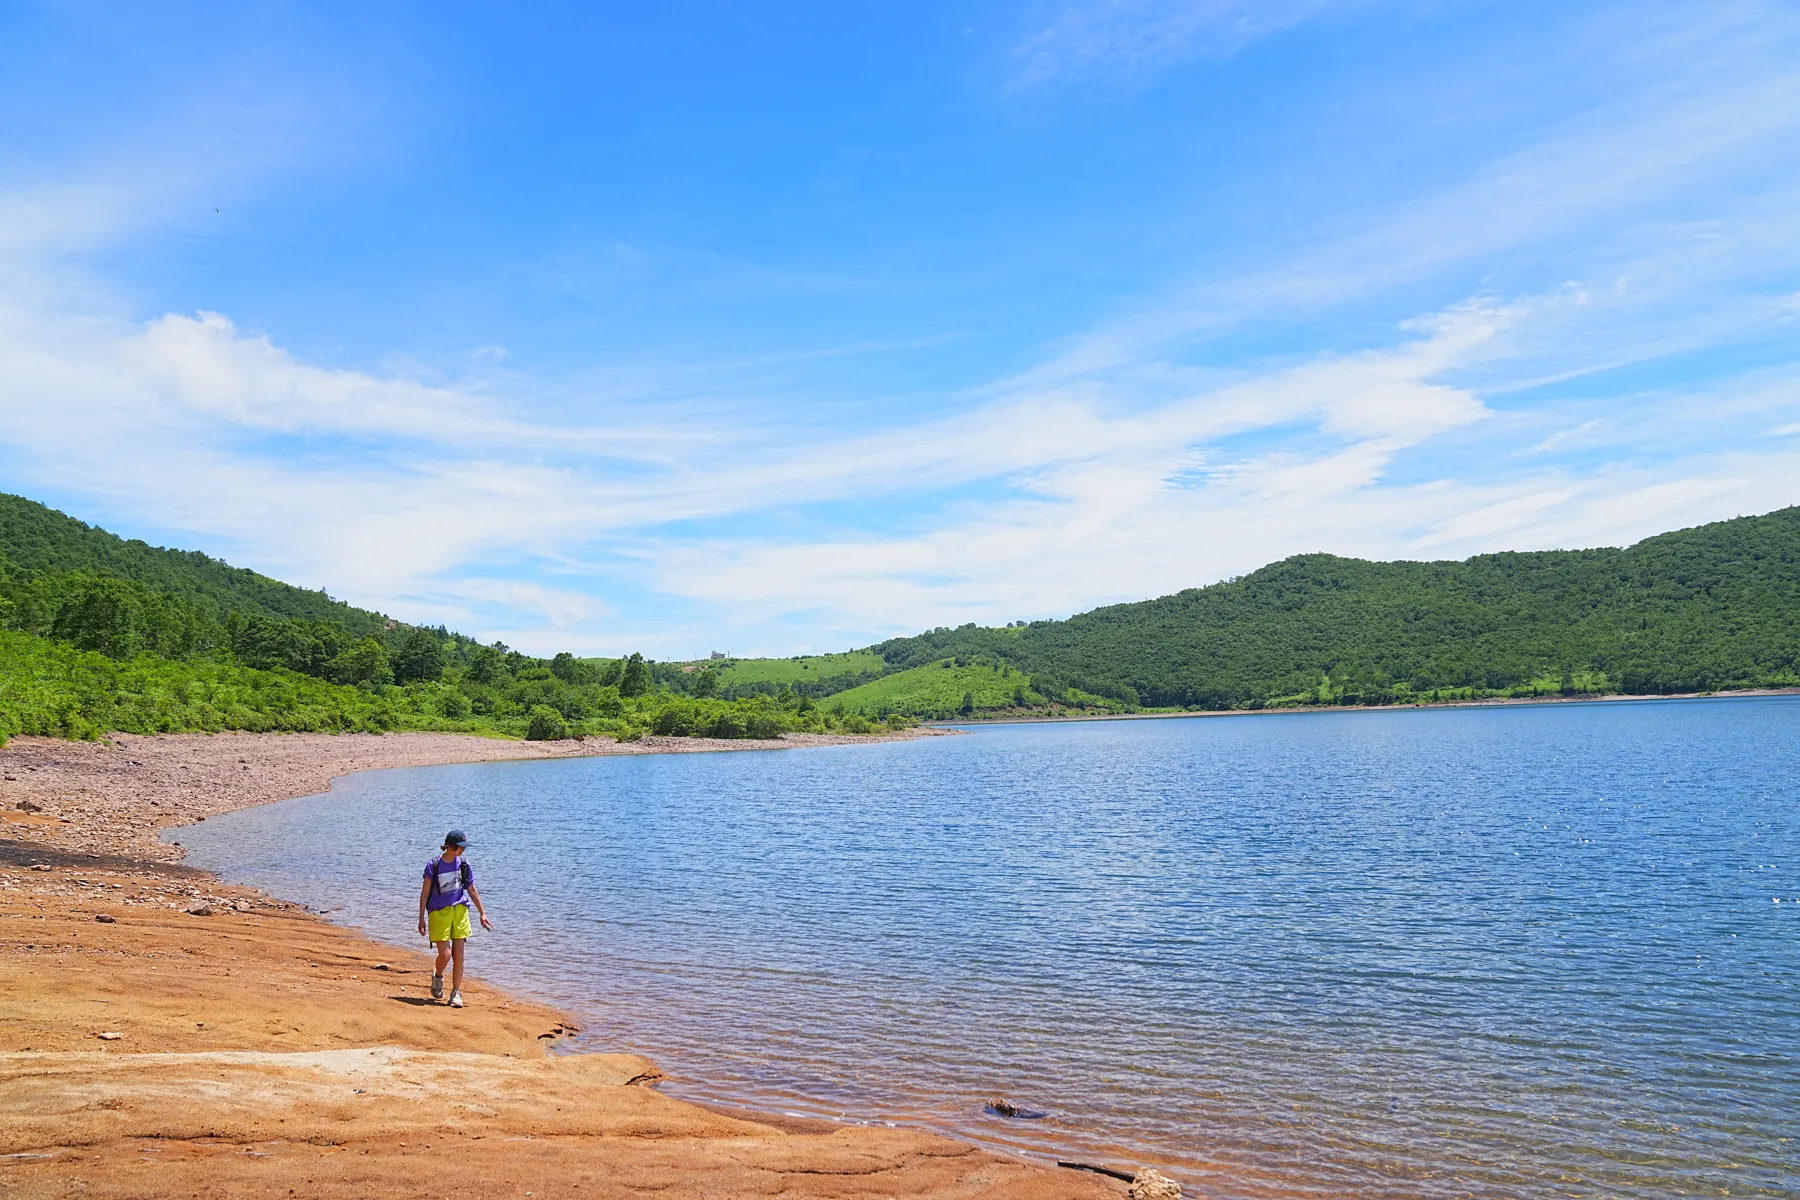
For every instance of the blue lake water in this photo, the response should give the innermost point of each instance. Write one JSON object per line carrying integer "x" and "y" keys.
{"x": 1502, "y": 952}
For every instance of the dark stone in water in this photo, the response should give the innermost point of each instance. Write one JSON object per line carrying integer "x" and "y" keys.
{"x": 1001, "y": 1108}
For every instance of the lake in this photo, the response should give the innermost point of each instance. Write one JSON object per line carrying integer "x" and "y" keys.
{"x": 1491, "y": 952}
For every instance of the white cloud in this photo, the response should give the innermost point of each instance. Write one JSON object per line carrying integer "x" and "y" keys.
{"x": 1565, "y": 437}
{"x": 563, "y": 609}
{"x": 1116, "y": 469}
{"x": 1684, "y": 186}
{"x": 1141, "y": 37}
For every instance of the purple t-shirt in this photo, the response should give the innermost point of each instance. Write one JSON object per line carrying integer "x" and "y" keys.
{"x": 449, "y": 876}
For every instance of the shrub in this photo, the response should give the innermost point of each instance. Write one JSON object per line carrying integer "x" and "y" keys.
{"x": 727, "y": 725}
{"x": 763, "y": 724}
{"x": 674, "y": 721}
{"x": 545, "y": 725}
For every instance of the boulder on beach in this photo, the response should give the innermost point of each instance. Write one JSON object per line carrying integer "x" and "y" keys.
{"x": 1153, "y": 1185}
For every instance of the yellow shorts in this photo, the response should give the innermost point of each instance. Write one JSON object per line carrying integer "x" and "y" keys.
{"x": 449, "y": 924}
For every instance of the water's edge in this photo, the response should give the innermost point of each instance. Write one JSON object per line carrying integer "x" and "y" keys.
{"x": 698, "y": 1092}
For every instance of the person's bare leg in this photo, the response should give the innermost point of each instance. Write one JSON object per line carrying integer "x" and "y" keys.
{"x": 443, "y": 960}
{"x": 456, "y": 949}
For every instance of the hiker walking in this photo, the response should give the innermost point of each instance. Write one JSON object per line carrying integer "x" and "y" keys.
{"x": 444, "y": 912}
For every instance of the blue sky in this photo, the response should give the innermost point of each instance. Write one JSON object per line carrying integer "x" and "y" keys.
{"x": 787, "y": 328}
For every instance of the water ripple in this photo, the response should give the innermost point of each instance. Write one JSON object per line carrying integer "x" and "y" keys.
{"x": 1509, "y": 952}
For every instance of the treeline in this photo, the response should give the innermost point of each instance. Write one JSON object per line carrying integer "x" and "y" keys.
{"x": 1711, "y": 608}
{"x": 818, "y": 689}
{"x": 98, "y": 634}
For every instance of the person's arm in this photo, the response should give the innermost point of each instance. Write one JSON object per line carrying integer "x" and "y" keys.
{"x": 480, "y": 911}
{"x": 424, "y": 895}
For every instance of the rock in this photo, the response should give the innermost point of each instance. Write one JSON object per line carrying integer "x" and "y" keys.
{"x": 106, "y": 920}
{"x": 1153, "y": 1185}
{"x": 42, "y": 867}
{"x": 383, "y": 967}
{"x": 200, "y": 910}
{"x": 109, "y": 1036}
{"x": 242, "y": 906}
{"x": 1002, "y": 1108}
{"x": 29, "y": 806}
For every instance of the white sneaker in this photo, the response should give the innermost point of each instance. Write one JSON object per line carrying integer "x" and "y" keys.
{"x": 437, "y": 987}
{"x": 455, "y": 999}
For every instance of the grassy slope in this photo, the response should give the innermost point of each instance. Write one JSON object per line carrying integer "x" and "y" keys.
{"x": 798, "y": 670}
{"x": 934, "y": 690}
{"x": 36, "y": 538}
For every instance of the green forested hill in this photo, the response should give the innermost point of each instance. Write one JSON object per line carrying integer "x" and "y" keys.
{"x": 39, "y": 540}
{"x": 100, "y": 634}
{"x": 1700, "y": 609}
{"x": 97, "y": 633}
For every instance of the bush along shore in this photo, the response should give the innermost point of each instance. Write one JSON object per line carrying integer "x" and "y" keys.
{"x": 58, "y": 690}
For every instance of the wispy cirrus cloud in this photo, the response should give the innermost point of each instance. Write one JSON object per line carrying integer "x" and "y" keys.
{"x": 1134, "y": 39}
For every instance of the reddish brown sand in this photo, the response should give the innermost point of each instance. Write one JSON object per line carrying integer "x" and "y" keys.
{"x": 252, "y": 1049}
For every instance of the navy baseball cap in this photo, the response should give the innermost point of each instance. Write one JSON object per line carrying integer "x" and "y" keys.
{"x": 456, "y": 838}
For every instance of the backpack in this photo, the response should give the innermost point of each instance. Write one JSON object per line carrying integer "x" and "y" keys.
{"x": 462, "y": 869}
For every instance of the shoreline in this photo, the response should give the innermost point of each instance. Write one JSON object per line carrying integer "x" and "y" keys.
{"x": 163, "y": 1031}
{"x": 1299, "y": 709}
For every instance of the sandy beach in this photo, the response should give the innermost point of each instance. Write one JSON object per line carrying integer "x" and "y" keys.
{"x": 163, "y": 1033}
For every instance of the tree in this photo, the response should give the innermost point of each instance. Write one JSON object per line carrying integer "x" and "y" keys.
{"x": 564, "y": 667}
{"x": 635, "y": 680}
{"x": 365, "y": 662}
{"x": 421, "y": 658}
{"x": 486, "y": 664}
{"x": 706, "y": 682}
{"x": 102, "y": 615}
{"x": 968, "y": 704}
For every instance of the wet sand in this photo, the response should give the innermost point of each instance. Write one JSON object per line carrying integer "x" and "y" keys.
{"x": 163, "y": 1033}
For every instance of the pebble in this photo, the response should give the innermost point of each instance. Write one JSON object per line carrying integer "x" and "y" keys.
{"x": 109, "y": 1036}
{"x": 105, "y": 920}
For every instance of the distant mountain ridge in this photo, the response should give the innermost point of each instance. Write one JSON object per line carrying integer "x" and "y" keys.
{"x": 1712, "y": 607}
